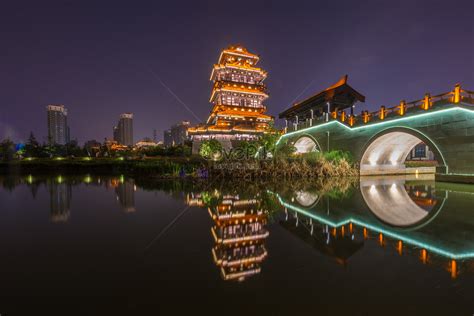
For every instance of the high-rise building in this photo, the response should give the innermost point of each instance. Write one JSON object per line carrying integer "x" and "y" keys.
{"x": 167, "y": 139}
{"x": 237, "y": 96}
{"x": 123, "y": 132}
{"x": 58, "y": 130}
{"x": 116, "y": 134}
{"x": 179, "y": 132}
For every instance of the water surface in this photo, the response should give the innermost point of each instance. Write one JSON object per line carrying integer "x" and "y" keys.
{"x": 118, "y": 245}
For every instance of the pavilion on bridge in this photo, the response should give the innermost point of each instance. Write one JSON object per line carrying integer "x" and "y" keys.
{"x": 334, "y": 101}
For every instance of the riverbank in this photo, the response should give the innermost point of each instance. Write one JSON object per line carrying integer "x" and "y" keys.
{"x": 193, "y": 166}
{"x": 163, "y": 167}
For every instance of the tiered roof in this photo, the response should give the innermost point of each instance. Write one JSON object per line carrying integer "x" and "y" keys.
{"x": 236, "y": 78}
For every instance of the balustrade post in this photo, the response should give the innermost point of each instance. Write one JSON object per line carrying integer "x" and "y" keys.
{"x": 382, "y": 112}
{"x": 351, "y": 120}
{"x": 457, "y": 93}
{"x": 426, "y": 102}
{"x": 402, "y": 107}
{"x": 365, "y": 116}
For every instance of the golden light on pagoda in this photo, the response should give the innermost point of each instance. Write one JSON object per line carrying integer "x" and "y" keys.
{"x": 237, "y": 96}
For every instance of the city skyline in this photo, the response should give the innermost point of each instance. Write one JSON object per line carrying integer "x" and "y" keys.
{"x": 99, "y": 66}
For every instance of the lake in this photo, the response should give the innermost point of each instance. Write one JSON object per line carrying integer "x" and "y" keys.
{"x": 120, "y": 245}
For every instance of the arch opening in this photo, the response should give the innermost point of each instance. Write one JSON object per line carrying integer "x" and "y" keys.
{"x": 390, "y": 152}
{"x": 305, "y": 145}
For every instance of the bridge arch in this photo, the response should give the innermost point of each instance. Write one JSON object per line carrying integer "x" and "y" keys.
{"x": 307, "y": 199}
{"x": 306, "y": 144}
{"x": 387, "y": 150}
{"x": 402, "y": 206}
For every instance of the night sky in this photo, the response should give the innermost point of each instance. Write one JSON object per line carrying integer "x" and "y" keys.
{"x": 103, "y": 58}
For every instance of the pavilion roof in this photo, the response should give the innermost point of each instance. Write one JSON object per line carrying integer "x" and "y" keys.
{"x": 340, "y": 95}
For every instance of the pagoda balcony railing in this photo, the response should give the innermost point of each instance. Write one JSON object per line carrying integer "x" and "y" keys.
{"x": 227, "y": 83}
{"x": 457, "y": 96}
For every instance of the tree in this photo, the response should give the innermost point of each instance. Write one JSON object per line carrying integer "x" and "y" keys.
{"x": 32, "y": 147}
{"x": 267, "y": 142}
{"x": 211, "y": 149}
{"x": 32, "y": 140}
{"x": 7, "y": 150}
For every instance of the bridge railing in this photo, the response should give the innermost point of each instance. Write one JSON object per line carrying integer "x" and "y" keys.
{"x": 458, "y": 95}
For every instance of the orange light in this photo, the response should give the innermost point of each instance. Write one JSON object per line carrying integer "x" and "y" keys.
{"x": 343, "y": 116}
{"x": 350, "y": 228}
{"x": 351, "y": 120}
{"x": 402, "y": 107}
{"x": 424, "y": 256}
{"x": 342, "y": 231}
{"x": 453, "y": 269}
{"x": 381, "y": 239}
{"x": 366, "y": 116}
{"x": 366, "y": 234}
{"x": 426, "y": 102}
{"x": 457, "y": 93}
{"x": 382, "y": 112}
{"x": 400, "y": 247}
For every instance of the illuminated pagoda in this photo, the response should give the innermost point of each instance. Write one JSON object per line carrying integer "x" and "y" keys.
{"x": 237, "y": 96}
{"x": 239, "y": 234}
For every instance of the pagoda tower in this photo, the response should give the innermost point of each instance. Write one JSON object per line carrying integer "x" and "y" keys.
{"x": 238, "y": 93}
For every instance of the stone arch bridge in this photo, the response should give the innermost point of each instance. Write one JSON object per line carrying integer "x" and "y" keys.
{"x": 380, "y": 141}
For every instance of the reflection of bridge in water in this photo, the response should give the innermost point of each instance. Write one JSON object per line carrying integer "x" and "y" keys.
{"x": 418, "y": 217}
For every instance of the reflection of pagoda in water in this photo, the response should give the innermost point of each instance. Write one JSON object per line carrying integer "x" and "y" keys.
{"x": 239, "y": 234}
{"x": 60, "y": 200}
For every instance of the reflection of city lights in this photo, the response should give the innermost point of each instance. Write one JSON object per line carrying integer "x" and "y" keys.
{"x": 87, "y": 179}
{"x": 59, "y": 179}
{"x": 30, "y": 179}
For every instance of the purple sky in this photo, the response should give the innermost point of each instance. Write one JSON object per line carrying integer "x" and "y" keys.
{"x": 98, "y": 57}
